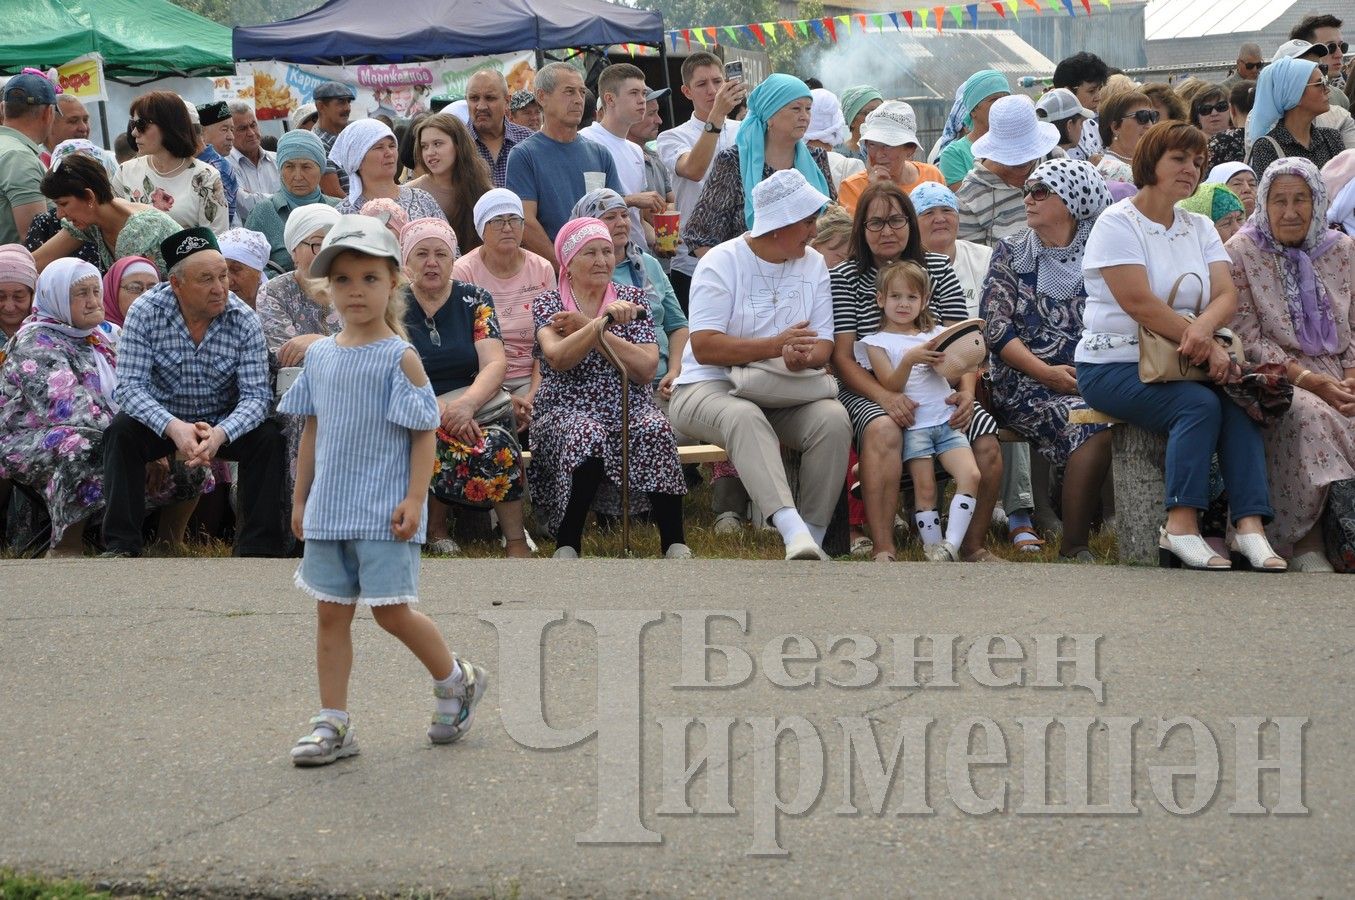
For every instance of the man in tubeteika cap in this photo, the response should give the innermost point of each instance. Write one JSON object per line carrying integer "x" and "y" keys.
{"x": 193, "y": 379}
{"x": 214, "y": 127}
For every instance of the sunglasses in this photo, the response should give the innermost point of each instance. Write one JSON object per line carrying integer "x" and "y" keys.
{"x": 1333, "y": 46}
{"x": 1143, "y": 116}
{"x": 433, "y": 334}
{"x": 138, "y": 124}
{"x": 1252, "y": 66}
{"x": 1205, "y": 109}
{"x": 1037, "y": 191}
{"x": 1323, "y": 82}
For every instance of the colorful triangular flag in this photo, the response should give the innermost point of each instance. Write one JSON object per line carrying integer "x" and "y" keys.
{"x": 894, "y": 17}
{"x": 832, "y": 29}
{"x": 957, "y": 14}
{"x": 1000, "y": 10}
{"x": 756, "y": 30}
{"x": 734, "y": 35}
{"x": 908, "y": 17}
{"x": 973, "y": 10}
{"x": 939, "y": 14}
{"x": 687, "y": 36}
{"x": 1068, "y": 5}
{"x": 802, "y": 26}
{"x": 818, "y": 27}
{"x": 769, "y": 29}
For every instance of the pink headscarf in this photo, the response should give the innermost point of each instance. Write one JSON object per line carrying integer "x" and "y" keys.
{"x": 17, "y": 266}
{"x": 389, "y": 212}
{"x": 113, "y": 284}
{"x": 422, "y": 229}
{"x": 568, "y": 242}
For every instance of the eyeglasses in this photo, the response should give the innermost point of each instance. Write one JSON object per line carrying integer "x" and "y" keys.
{"x": 313, "y": 245}
{"x": 1333, "y": 46}
{"x": 1252, "y": 66}
{"x": 432, "y": 331}
{"x": 1205, "y": 109}
{"x": 502, "y": 222}
{"x": 1143, "y": 116}
{"x": 135, "y": 288}
{"x": 138, "y": 124}
{"x": 1037, "y": 191}
{"x": 893, "y": 223}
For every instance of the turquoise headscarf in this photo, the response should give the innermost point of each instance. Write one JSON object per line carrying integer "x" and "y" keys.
{"x": 1279, "y": 89}
{"x": 855, "y": 98}
{"x": 764, "y": 102}
{"x": 979, "y": 87}
{"x": 1212, "y": 200}
{"x": 298, "y": 144}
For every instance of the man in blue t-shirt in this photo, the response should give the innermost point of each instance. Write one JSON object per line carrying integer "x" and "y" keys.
{"x": 553, "y": 168}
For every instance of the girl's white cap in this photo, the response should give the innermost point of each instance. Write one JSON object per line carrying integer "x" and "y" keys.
{"x": 360, "y": 234}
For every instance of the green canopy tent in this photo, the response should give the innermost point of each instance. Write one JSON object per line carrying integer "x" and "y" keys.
{"x": 139, "y": 39}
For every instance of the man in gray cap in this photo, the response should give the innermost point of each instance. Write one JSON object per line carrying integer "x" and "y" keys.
{"x": 30, "y": 106}
{"x": 524, "y": 110}
{"x": 333, "y": 106}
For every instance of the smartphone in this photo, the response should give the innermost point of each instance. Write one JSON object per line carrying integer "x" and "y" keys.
{"x": 734, "y": 70}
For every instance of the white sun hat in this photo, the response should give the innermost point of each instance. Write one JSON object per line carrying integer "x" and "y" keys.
{"x": 783, "y": 199}
{"x": 893, "y": 123}
{"x": 1015, "y": 134}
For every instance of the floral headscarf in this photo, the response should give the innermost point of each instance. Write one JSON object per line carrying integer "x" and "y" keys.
{"x": 1059, "y": 269}
{"x": 1304, "y": 293}
{"x": 572, "y": 237}
{"x": 593, "y": 205}
{"x": 52, "y": 311}
{"x": 63, "y": 150}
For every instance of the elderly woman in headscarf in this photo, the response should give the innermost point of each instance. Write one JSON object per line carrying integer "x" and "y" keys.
{"x": 246, "y": 253}
{"x": 126, "y": 281}
{"x": 47, "y": 224}
{"x": 858, "y": 101}
{"x": 636, "y": 268}
{"x": 514, "y": 277}
{"x": 1295, "y": 307}
{"x": 1290, "y": 94}
{"x": 293, "y": 308}
{"x": 301, "y": 165}
{"x": 1220, "y": 205}
{"x": 827, "y": 129}
{"x": 1339, "y": 178}
{"x": 576, "y": 428}
{"x": 1032, "y": 303}
{"x": 456, "y": 334}
{"x": 368, "y": 151}
{"x": 1238, "y": 178}
{"x": 56, "y": 400}
{"x": 18, "y": 278}
{"x": 975, "y": 96}
{"x": 770, "y": 140}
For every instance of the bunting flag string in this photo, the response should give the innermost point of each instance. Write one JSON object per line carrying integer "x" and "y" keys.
{"x": 831, "y": 29}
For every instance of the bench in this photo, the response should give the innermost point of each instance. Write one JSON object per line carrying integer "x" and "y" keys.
{"x": 1137, "y": 472}
{"x": 687, "y": 455}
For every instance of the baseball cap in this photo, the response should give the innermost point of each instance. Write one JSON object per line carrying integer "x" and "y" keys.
{"x": 1060, "y": 104}
{"x": 334, "y": 90}
{"x": 893, "y": 123}
{"x": 1296, "y": 48}
{"x": 361, "y": 234}
{"x": 35, "y": 90}
{"x": 656, "y": 93}
{"x": 301, "y": 115}
{"x": 521, "y": 100}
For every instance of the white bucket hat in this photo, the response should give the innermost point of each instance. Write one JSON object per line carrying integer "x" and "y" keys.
{"x": 783, "y": 199}
{"x": 362, "y": 234}
{"x": 893, "y": 123}
{"x": 1015, "y": 134}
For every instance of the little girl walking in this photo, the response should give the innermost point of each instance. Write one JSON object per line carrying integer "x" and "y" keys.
{"x": 362, "y": 479}
{"x": 901, "y": 355}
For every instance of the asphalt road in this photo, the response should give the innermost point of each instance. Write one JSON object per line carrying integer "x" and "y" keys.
{"x": 149, "y": 706}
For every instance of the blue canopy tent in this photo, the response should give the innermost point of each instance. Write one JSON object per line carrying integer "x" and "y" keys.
{"x": 350, "y": 32}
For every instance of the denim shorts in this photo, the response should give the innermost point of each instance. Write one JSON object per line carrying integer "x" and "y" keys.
{"x": 374, "y": 572}
{"x": 933, "y": 441}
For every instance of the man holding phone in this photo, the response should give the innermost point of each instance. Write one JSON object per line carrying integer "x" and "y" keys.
{"x": 689, "y": 149}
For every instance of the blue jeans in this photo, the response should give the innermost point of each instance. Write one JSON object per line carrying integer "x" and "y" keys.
{"x": 1198, "y": 421}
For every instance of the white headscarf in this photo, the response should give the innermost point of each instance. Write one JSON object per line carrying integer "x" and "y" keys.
{"x": 494, "y": 203}
{"x": 352, "y": 145}
{"x": 825, "y": 119}
{"x": 52, "y": 310}
{"x": 304, "y": 221}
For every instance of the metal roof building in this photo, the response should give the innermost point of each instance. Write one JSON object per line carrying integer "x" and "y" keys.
{"x": 1190, "y": 32}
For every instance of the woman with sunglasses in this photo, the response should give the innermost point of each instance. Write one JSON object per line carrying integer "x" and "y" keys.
{"x": 1230, "y": 144}
{"x": 1290, "y": 94}
{"x": 1147, "y": 263}
{"x": 167, "y": 175}
{"x": 1209, "y": 109}
{"x": 1125, "y": 116}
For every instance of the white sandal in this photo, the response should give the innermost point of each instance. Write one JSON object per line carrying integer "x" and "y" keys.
{"x": 1312, "y": 561}
{"x": 1253, "y": 551}
{"x": 1189, "y": 551}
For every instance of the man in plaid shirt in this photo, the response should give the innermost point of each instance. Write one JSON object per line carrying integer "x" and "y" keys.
{"x": 193, "y": 378}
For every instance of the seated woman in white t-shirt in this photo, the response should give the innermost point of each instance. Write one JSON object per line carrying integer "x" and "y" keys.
{"x": 901, "y": 356}
{"x": 765, "y": 295}
{"x": 1139, "y": 251}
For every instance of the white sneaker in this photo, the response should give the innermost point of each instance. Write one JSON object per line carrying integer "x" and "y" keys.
{"x": 728, "y": 523}
{"x": 803, "y": 546}
{"x": 678, "y": 551}
{"x": 941, "y": 551}
{"x": 444, "y": 547}
{"x": 565, "y": 553}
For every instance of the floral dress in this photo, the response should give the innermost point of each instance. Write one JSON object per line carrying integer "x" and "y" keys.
{"x": 45, "y": 226}
{"x": 1228, "y": 146}
{"x": 490, "y": 470}
{"x": 141, "y": 235}
{"x": 52, "y": 420}
{"x": 1050, "y": 329}
{"x": 577, "y": 415}
{"x": 417, "y": 204}
{"x": 192, "y": 196}
{"x": 719, "y": 216}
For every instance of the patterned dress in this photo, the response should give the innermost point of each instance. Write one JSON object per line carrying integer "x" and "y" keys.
{"x": 1050, "y": 329}
{"x": 577, "y": 415}
{"x": 416, "y": 203}
{"x": 141, "y": 235}
{"x": 719, "y": 216}
{"x": 1313, "y": 445}
{"x": 192, "y": 196}
{"x": 45, "y": 226}
{"x": 52, "y": 420}
{"x": 1228, "y": 146}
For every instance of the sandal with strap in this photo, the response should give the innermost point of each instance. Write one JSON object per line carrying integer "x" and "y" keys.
{"x": 329, "y": 740}
{"x": 1026, "y": 539}
{"x": 1253, "y": 551}
{"x": 448, "y": 729}
{"x": 981, "y": 555}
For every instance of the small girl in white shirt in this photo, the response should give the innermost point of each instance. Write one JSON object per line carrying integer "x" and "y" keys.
{"x": 901, "y": 356}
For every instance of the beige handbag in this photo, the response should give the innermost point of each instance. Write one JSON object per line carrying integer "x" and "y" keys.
{"x": 495, "y": 408}
{"x": 770, "y": 384}
{"x": 1160, "y": 360}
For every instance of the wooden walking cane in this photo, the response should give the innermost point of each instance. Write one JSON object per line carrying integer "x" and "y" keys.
{"x": 625, "y": 427}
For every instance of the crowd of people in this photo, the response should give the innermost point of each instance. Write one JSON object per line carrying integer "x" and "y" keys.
{"x": 174, "y": 315}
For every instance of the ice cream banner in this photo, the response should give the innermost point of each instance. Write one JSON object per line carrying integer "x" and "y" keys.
{"x": 400, "y": 91}
{"x": 83, "y": 78}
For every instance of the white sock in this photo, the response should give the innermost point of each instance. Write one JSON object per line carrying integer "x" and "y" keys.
{"x": 787, "y": 521}
{"x": 449, "y": 705}
{"x": 817, "y": 532}
{"x": 928, "y": 526}
{"x": 961, "y": 512}
{"x": 336, "y": 713}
